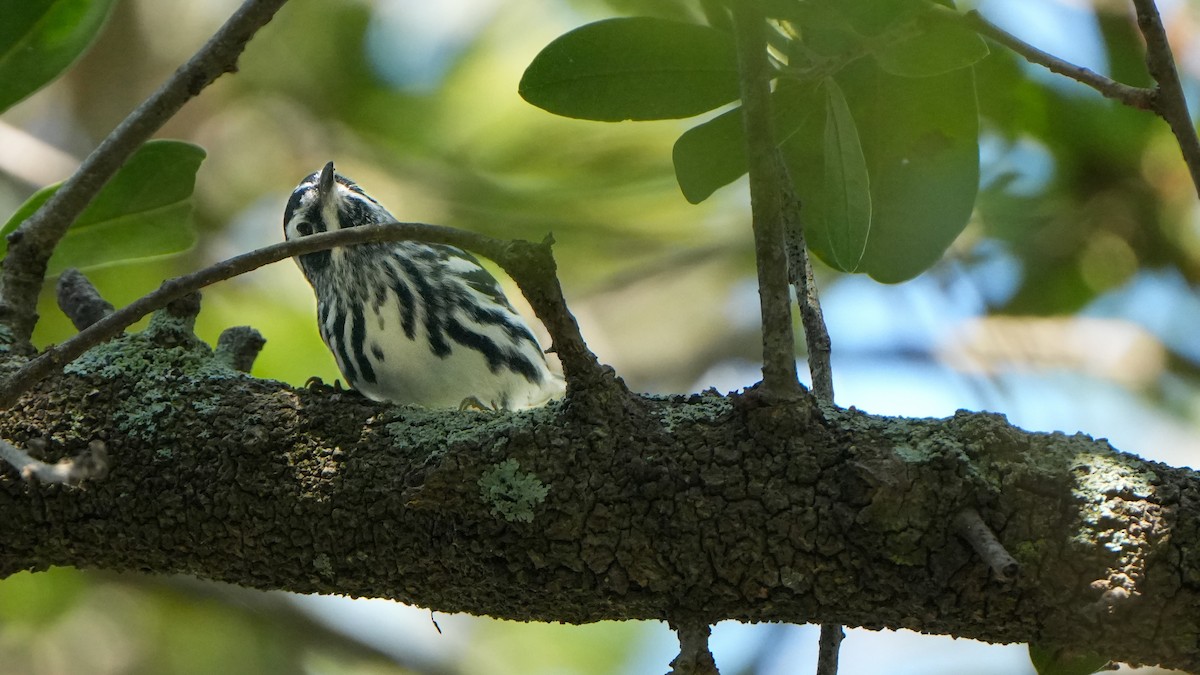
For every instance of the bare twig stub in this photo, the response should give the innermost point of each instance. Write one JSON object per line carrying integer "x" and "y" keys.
{"x": 80, "y": 300}
{"x": 970, "y": 526}
{"x": 533, "y": 271}
{"x": 24, "y": 267}
{"x": 238, "y": 346}
{"x": 92, "y": 464}
{"x": 694, "y": 657}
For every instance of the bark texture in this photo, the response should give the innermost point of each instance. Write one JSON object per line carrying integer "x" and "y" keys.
{"x": 688, "y": 509}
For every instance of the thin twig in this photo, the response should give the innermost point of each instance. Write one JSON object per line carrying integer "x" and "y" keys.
{"x": 1169, "y": 101}
{"x": 1137, "y": 97}
{"x": 779, "y": 360}
{"x": 73, "y": 471}
{"x": 829, "y": 647}
{"x": 970, "y": 526}
{"x": 529, "y": 265}
{"x": 24, "y": 267}
{"x": 800, "y": 275}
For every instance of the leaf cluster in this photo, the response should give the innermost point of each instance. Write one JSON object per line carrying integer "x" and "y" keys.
{"x": 874, "y": 108}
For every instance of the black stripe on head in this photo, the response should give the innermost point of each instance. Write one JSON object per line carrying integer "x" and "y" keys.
{"x": 292, "y": 205}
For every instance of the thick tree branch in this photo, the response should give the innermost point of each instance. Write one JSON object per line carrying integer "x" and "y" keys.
{"x": 708, "y": 508}
{"x": 530, "y": 265}
{"x": 30, "y": 246}
{"x": 779, "y": 351}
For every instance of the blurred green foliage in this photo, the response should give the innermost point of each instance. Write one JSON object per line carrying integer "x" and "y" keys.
{"x": 40, "y": 38}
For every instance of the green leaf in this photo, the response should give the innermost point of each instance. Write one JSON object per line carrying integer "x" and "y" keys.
{"x": 1050, "y": 661}
{"x": 710, "y": 155}
{"x": 637, "y": 68}
{"x": 937, "y": 47}
{"x": 920, "y": 138}
{"x": 847, "y": 193}
{"x": 40, "y": 38}
{"x": 145, "y": 210}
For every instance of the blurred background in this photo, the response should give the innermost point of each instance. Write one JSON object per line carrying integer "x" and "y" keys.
{"x": 1069, "y": 303}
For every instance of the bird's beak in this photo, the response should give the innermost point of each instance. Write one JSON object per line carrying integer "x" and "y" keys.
{"x": 326, "y": 182}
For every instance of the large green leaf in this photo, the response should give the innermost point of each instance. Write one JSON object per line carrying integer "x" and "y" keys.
{"x": 847, "y": 193}
{"x": 637, "y": 68}
{"x": 145, "y": 210}
{"x": 920, "y": 138}
{"x": 40, "y": 38}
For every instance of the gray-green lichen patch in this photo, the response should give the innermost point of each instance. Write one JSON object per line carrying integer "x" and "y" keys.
{"x": 703, "y": 408}
{"x": 511, "y": 493}
{"x": 159, "y": 363}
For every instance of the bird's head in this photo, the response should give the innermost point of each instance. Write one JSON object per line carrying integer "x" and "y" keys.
{"x": 326, "y": 201}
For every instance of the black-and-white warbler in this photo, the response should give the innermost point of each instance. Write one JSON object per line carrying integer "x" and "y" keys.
{"x": 410, "y": 322}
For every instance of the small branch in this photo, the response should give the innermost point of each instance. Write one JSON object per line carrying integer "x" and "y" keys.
{"x": 24, "y": 268}
{"x": 239, "y": 346}
{"x": 800, "y": 275}
{"x": 91, "y": 464}
{"x": 694, "y": 657}
{"x": 521, "y": 260}
{"x": 1169, "y": 102}
{"x": 1137, "y": 97}
{"x": 970, "y": 526}
{"x": 533, "y": 268}
{"x": 779, "y": 360}
{"x": 80, "y": 300}
{"x": 829, "y": 647}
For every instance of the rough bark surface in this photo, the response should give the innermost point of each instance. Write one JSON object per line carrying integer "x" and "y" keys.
{"x": 689, "y": 509}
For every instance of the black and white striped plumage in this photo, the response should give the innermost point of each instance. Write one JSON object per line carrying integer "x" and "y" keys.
{"x": 410, "y": 322}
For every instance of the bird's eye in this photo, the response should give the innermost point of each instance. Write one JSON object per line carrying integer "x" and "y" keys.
{"x": 304, "y": 229}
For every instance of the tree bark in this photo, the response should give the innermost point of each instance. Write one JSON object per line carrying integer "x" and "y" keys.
{"x": 701, "y": 508}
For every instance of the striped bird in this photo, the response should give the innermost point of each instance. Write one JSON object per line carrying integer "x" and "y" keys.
{"x": 409, "y": 322}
